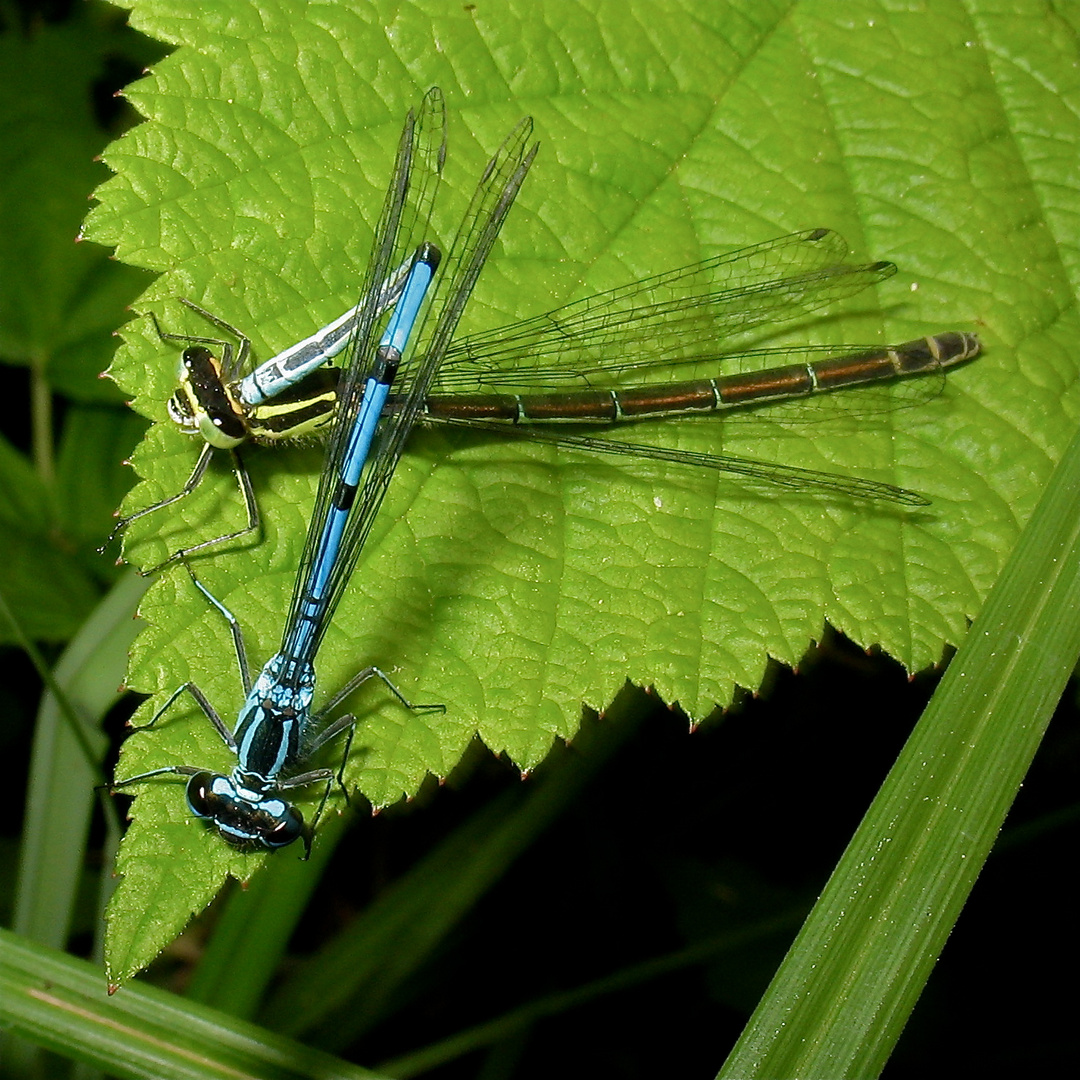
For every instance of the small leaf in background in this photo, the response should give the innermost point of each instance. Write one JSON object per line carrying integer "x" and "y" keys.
{"x": 60, "y": 304}
{"x": 60, "y": 298}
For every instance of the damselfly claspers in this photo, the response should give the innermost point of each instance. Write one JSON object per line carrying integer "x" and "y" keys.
{"x": 277, "y": 733}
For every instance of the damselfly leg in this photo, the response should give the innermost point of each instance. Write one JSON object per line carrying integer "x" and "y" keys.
{"x": 200, "y": 366}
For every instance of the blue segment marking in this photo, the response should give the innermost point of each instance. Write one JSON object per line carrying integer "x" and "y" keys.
{"x": 295, "y": 363}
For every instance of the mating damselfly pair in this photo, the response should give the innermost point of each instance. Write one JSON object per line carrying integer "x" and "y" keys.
{"x": 578, "y": 353}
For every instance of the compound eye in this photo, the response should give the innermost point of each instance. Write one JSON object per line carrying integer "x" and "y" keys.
{"x": 201, "y": 797}
{"x": 197, "y": 357}
{"x": 287, "y": 829}
{"x": 180, "y": 411}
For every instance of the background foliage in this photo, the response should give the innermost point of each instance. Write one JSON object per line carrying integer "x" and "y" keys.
{"x": 514, "y": 583}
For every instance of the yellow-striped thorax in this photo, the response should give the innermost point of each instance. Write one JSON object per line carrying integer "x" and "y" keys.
{"x": 204, "y": 404}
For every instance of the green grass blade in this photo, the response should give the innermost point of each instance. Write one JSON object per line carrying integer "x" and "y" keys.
{"x": 66, "y": 764}
{"x": 846, "y": 988}
{"x": 60, "y": 1003}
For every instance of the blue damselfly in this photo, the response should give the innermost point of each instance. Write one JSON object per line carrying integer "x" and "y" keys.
{"x": 277, "y": 733}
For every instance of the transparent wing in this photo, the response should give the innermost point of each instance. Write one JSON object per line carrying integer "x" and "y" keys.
{"x": 773, "y": 474}
{"x": 284, "y": 373}
{"x": 458, "y": 275}
{"x": 681, "y": 316}
{"x": 402, "y": 227}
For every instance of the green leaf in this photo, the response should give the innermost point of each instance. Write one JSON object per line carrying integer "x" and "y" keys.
{"x": 68, "y": 747}
{"x": 59, "y": 305}
{"x": 513, "y": 582}
{"x": 60, "y": 298}
{"x": 47, "y": 590}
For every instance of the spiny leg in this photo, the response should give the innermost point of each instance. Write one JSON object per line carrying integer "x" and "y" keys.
{"x": 231, "y": 367}
{"x": 203, "y": 702}
{"x": 362, "y": 677}
{"x": 179, "y": 770}
{"x": 234, "y": 629}
{"x": 191, "y": 484}
{"x": 251, "y": 511}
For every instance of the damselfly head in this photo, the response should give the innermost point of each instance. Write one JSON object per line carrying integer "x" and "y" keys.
{"x": 245, "y": 819}
{"x": 203, "y": 404}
